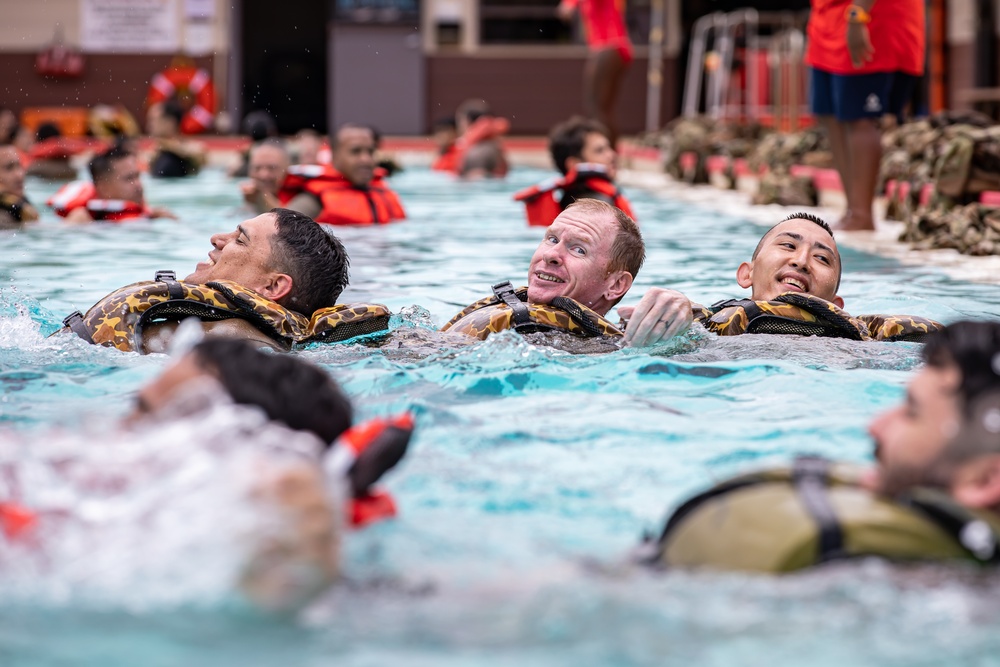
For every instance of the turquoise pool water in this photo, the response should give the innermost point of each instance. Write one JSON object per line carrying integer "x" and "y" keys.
{"x": 533, "y": 471}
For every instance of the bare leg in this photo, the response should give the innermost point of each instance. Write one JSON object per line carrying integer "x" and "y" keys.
{"x": 602, "y": 78}
{"x": 865, "y": 149}
{"x": 836, "y": 132}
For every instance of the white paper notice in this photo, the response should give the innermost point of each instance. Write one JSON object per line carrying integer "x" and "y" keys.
{"x": 129, "y": 26}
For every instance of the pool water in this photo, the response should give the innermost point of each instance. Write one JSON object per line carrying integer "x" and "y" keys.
{"x": 533, "y": 471}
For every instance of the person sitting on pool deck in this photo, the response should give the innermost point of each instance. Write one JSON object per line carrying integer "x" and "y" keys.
{"x": 114, "y": 195}
{"x": 352, "y": 191}
{"x": 583, "y": 154}
{"x": 268, "y": 172}
{"x": 15, "y": 209}
{"x": 584, "y": 265}
{"x": 934, "y": 493}
{"x": 793, "y": 274}
{"x": 275, "y": 280}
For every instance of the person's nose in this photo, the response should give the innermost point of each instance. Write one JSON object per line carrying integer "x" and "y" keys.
{"x": 800, "y": 259}
{"x": 219, "y": 241}
{"x": 553, "y": 254}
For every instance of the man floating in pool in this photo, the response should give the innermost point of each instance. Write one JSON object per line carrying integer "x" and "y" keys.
{"x": 584, "y": 265}
{"x": 582, "y": 152}
{"x": 261, "y": 434}
{"x": 793, "y": 275}
{"x": 15, "y": 209}
{"x": 114, "y": 195}
{"x": 933, "y": 495}
{"x": 267, "y": 170}
{"x": 352, "y": 191}
{"x": 275, "y": 280}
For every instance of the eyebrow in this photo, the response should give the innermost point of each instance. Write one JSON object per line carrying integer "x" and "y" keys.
{"x": 817, "y": 244}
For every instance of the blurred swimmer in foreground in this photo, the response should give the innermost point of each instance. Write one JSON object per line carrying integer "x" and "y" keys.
{"x": 252, "y": 451}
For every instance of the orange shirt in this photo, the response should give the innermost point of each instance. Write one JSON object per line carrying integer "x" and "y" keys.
{"x": 604, "y": 24}
{"x": 897, "y": 33}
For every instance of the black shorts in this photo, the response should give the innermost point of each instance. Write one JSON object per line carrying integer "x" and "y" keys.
{"x": 855, "y": 96}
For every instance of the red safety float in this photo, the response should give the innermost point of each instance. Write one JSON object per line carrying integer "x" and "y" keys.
{"x": 183, "y": 81}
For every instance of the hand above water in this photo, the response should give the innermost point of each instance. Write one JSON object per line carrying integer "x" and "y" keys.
{"x": 660, "y": 315}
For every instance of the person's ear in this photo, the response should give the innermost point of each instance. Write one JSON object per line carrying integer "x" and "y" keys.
{"x": 277, "y": 287}
{"x": 744, "y": 275}
{"x": 571, "y": 163}
{"x": 619, "y": 283}
{"x": 838, "y": 302}
{"x": 977, "y": 483}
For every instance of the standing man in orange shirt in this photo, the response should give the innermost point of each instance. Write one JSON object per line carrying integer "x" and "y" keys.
{"x": 610, "y": 55}
{"x": 865, "y": 56}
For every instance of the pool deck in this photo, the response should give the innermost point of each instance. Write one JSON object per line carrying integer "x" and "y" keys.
{"x": 643, "y": 167}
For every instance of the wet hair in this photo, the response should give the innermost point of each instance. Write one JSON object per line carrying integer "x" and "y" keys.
{"x": 628, "y": 250}
{"x": 47, "y": 131}
{"x": 473, "y": 109}
{"x": 811, "y": 218}
{"x": 273, "y": 142}
{"x": 316, "y": 261}
{"x": 445, "y": 123}
{"x": 259, "y": 125}
{"x": 103, "y": 164}
{"x": 286, "y": 388}
{"x": 567, "y": 139}
{"x": 974, "y": 347}
{"x": 335, "y": 137}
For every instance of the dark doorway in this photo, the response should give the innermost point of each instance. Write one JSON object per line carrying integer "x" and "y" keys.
{"x": 284, "y": 62}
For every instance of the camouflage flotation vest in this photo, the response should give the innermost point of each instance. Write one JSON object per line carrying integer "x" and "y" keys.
{"x": 788, "y": 519}
{"x": 119, "y": 319}
{"x": 508, "y": 309}
{"x": 808, "y": 315}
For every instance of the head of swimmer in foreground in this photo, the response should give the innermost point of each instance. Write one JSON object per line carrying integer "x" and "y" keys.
{"x": 591, "y": 253}
{"x": 287, "y": 389}
{"x": 282, "y": 255}
{"x": 799, "y": 254}
{"x": 352, "y": 148}
{"x": 946, "y": 434}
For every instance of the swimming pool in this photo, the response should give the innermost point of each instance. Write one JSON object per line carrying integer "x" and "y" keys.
{"x": 533, "y": 471}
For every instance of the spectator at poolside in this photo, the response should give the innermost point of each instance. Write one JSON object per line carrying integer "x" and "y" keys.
{"x": 15, "y": 209}
{"x": 582, "y": 152}
{"x": 866, "y": 57}
{"x": 174, "y": 156}
{"x": 610, "y": 56}
{"x": 116, "y": 193}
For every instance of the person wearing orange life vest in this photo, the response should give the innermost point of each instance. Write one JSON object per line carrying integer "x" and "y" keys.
{"x": 445, "y": 134}
{"x": 582, "y": 152}
{"x": 350, "y": 192}
{"x": 268, "y": 171}
{"x": 477, "y": 152}
{"x": 15, "y": 209}
{"x": 115, "y": 195}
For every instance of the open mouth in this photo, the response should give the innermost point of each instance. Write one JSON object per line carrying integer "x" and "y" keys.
{"x": 548, "y": 277}
{"x": 795, "y": 284}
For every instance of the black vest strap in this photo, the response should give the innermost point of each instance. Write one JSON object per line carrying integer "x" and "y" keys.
{"x": 75, "y": 323}
{"x": 505, "y": 292}
{"x": 974, "y": 535}
{"x": 173, "y": 287}
{"x": 810, "y": 476}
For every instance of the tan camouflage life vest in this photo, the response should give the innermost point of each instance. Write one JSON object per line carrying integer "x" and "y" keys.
{"x": 807, "y": 315}
{"x": 792, "y": 518}
{"x": 508, "y": 309}
{"x": 119, "y": 319}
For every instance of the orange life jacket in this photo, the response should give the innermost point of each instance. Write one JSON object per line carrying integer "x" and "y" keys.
{"x": 77, "y": 194}
{"x": 447, "y": 161}
{"x": 485, "y": 128}
{"x": 15, "y": 520}
{"x": 55, "y": 148}
{"x": 542, "y": 205}
{"x": 372, "y": 504}
{"x": 343, "y": 202}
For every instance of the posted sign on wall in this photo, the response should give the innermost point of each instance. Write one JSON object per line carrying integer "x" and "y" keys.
{"x": 129, "y": 26}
